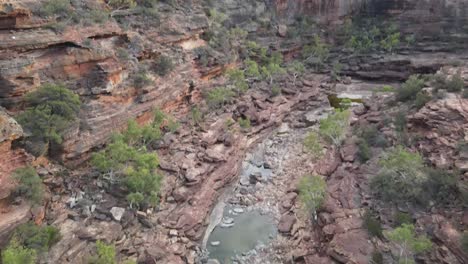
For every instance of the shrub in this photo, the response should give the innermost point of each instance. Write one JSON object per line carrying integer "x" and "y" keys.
{"x": 410, "y": 88}
{"x": 455, "y": 84}
{"x": 312, "y": 145}
{"x": 251, "y": 69}
{"x": 408, "y": 242}
{"x": 121, "y": 4}
{"x": 421, "y": 99}
{"x": 55, "y": 8}
{"x": 275, "y": 90}
{"x": 219, "y": 97}
{"x": 401, "y": 177}
{"x": 464, "y": 242}
{"x": 334, "y": 127}
{"x": 400, "y": 121}
{"x": 441, "y": 186}
{"x": 29, "y": 184}
{"x": 390, "y": 42}
{"x": 244, "y": 123}
{"x": 296, "y": 69}
{"x": 105, "y": 254}
{"x": 163, "y": 65}
{"x": 312, "y": 191}
{"x": 38, "y": 238}
{"x": 403, "y": 218}
{"x": 134, "y": 165}
{"x": 377, "y": 257}
{"x": 372, "y": 225}
{"x": 50, "y": 111}
{"x": 98, "y": 16}
{"x": 141, "y": 79}
{"x": 387, "y": 89}
{"x": 237, "y": 78}
{"x": 17, "y": 254}
{"x": 196, "y": 115}
{"x": 465, "y": 93}
{"x": 317, "y": 53}
{"x": 364, "y": 151}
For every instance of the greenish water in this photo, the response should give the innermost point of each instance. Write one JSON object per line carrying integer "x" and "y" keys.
{"x": 335, "y": 101}
{"x": 250, "y": 229}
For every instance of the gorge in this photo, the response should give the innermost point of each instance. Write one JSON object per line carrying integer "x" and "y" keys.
{"x": 185, "y": 131}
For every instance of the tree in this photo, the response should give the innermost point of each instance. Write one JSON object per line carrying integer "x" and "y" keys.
{"x": 333, "y": 128}
{"x": 219, "y": 97}
{"x": 126, "y": 159}
{"x": 401, "y": 177}
{"x": 105, "y": 254}
{"x": 312, "y": 190}
{"x": 271, "y": 70}
{"x": 408, "y": 243}
{"x": 251, "y": 69}
{"x": 17, "y": 254}
{"x": 316, "y": 53}
{"x": 38, "y": 238}
{"x": 237, "y": 78}
{"x": 296, "y": 68}
{"x": 50, "y": 111}
{"x": 29, "y": 184}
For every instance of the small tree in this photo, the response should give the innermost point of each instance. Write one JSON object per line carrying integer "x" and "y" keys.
{"x": 29, "y": 184}
{"x": 251, "y": 69}
{"x": 296, "y": 69}
{"x": 219, "y": 97}
{"x": 316, "y": 53}
{"x": 50, "y": 111}
{"x": 237, "y": 78}
{"x": 408, "y": 243}
{"x": 410, "y": 88}
{"x": 312, "y": 191}
{"x": 334, "y": 127}
{"x": 401, "y": 177}
{"x": 105, "y": 254}
{"x": 312, "y": 144}
{"x": 163, "y": 65}
{"x": 17, "y": 254}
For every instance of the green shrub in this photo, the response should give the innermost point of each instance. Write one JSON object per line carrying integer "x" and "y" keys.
{"x": 403, "y": 218}
{"x": 141, "y": 79}
{"x": 364, "y": 151}
{"x": 105, "y": 254}
{"x": 390, "y": 42}
{"x": 422, "y": 99}
{"x": 51, "y": 109}
{"x": 377, "y": 257}
{"x": 275, "y": 90}
{"x": 196, "y": 115}
{"x": 29, "y": 184}
{"x": 401, "y": 178}
{"x": 312, "y": 144}
{"x": 408, "y": 242}
{"x": 17, "y": 254}
{"x": 400, "y": 121}
{"x": 312, "y": 191}
{"x": 441, "y": 186}
{"x": 98, "y": 16}
{"x": 121, "y": 4}
{"x": 251, "y": 69}
{"x": 334, "y": 127}
{"x": 317, "y": 53}
{"x": 163, "y": 65}
{"x": 127, "y": 158}
{"x": 219, "y": 97}
{"x": 244, "y": 123}
{"x": 464, "y": 242}
{"x": 56, "y": 8}
{"x": 237, "y": 78}
{"x": 465, "y": 93}
{"x": 372, "y": 225}
{"x": 455, "y": 84}
{"x": 410, "y": 88}
{"x": 38, "y": 238}
{"x": 372, "y": 136}
{"x": 387, "y": 89}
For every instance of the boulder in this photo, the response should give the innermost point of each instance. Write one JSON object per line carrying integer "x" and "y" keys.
{"x": 117, "y": 213}
{"x": 286, "y": 223}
